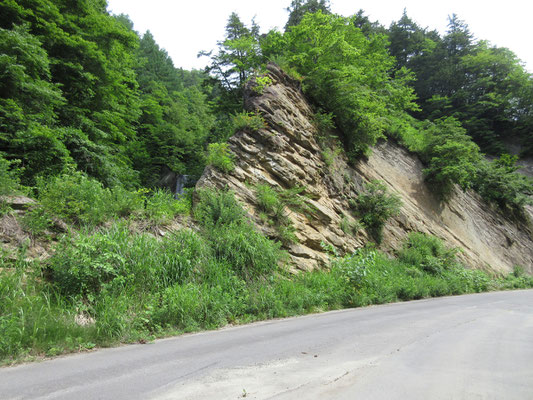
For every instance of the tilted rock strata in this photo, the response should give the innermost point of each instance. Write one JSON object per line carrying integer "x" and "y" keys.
{"x": 285, "y": 154}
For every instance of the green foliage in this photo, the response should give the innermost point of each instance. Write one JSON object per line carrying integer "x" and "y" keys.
{"x": 347, "y": 74}
{"x": 77, "y": 199}
{"x": 497, "y": 182}
{"x": 248, "y": 121}
{"x": 220, "y": 157}
{"x": 452, "y": 156}
{"x": 112, "y": 260}
{"x": 128, "y": 287}
{"x": 235, "y": 241}
{"x": 238, "y": 55}
{"x": 217, "y": 208}
{"x": 274, "y": 204}
{"x": 427, "y": 253}
{"x": 9, "y": 177}
{"x": 84, "y": 201}
{"x": 161, "y": 207}
{"x": 354, "y": 268}
{"x": 36, "y": 221}
{"x": 249, "y": 253}
{"x": 261, "y": 82}
{"x": 350, "y": 226}
{"x": 299, "y": 8}
{"x": 485, "y": 87}
{"x": 375, "y": 206}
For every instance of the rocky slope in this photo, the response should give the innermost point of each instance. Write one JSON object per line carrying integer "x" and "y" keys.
{"x": 285, "y": 154}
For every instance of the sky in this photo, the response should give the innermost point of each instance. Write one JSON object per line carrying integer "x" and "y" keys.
{"x": 183, "y": 28}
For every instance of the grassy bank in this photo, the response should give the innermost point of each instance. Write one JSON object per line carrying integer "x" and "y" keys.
{"x": 113, "y": 285}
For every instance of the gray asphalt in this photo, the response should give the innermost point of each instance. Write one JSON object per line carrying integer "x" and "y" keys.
{"x": 465, "y": 347}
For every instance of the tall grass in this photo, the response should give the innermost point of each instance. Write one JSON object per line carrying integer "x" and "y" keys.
{"x": 108, "y": 286}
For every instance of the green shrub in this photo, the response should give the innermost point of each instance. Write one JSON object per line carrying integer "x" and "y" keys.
{"x": 162, "y": 207}
{"x": 261, "y": 82}
{"x": 217, "y": 208}
{"x": 36, "y": 221}
{"x": 273, "y": 204}
{"x": 9, "y": 177}
{"x": 427, "y": 253}
{"x": 77, "y": 199}
{"x": 354, "y": 268}
{"x": 248, "y": 121}
{"x": 249, "y": 253}
{"x": 350, "y": 226}
{"x": 220, "y": 157}
{"x": 113, "y": 259}
{"x": 497, "y": 182}
{"x": 268, "y": 199}
{"x": 375, "y": 206}
{"x": 451, "y": 155}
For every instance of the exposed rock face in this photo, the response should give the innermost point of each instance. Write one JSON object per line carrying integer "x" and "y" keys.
{"x": 285, "y": 154}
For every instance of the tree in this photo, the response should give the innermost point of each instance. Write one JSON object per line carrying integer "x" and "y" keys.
{"x": 451, "y": 156}
{"x": 299, "y": 8}
{"x": 238, "y": 55}
{"x": 347, "y": 74}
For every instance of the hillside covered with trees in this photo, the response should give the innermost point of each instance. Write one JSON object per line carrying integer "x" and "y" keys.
{"x": 93, "y": 115}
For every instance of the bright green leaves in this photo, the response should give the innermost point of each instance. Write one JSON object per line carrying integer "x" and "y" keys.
{"x": 347, "y": 74}
{"x": 451, "y": 154}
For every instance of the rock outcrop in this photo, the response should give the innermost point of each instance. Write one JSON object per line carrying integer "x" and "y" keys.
{"x": 285, "y": 154}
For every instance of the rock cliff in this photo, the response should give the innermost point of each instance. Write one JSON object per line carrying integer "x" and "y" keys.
{"x": 285, "y": 154}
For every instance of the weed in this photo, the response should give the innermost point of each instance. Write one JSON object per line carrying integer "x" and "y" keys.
{"x": 220, "y": 157}
{"x": 375, "y": 206}
{"x": 261, "y": 82}
{"x": 248, "y": 121}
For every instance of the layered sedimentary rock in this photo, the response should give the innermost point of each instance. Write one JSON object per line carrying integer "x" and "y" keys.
{"x": 285, "y": 154}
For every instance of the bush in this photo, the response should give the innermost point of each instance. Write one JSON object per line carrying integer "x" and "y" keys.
{"x": 451, "y": 155}
{"x": 354, "y": 268}
{"x": 261, "y": 83}
{"x": 9, "y": 177}
{"x": 113, "y": 259}
{"x": 161, "y": 206}
{"x": 497, "y": 182}
{"x": 219, "y": 156}
{"x": 216, "y": 208}
{"x": 375, "y": 206}
{"x": 427, "y": 253}
{"x": 36, "y": 221}
{"x": 76, "y": 198}
{"x": 234, "y": 239}
{"x": 274, "y": 202}
{"x": 249, "y": 253}
{"x": 248, "y": 121}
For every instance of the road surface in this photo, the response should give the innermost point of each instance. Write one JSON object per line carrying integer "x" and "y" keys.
{"x": 464, "y": 347}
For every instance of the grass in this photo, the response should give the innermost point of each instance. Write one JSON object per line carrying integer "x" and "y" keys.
{"x": 108, "y": 286}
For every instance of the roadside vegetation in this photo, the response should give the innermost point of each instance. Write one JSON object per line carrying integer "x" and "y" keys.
{"x": 92, "y": 114}
{"x": 108, "y": 284}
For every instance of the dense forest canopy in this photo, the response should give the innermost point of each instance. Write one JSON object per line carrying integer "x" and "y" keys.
{"x": 81, "y": 90}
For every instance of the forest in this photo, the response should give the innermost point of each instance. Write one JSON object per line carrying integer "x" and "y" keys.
{"x": 93, "y": 114}
{"x": 81, "y": 91}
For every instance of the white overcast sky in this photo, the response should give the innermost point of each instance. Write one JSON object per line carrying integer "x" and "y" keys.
{"x": 184, "y": 27}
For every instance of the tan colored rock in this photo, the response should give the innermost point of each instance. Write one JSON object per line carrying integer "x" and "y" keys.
{"x": 285, "y": 154}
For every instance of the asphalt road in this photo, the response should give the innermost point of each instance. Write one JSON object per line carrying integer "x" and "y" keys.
{"x": 465, "y": 347}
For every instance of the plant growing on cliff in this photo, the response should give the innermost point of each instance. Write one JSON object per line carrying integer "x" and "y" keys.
{"x": 248, "y": 121}
{"x": 451, "y": 155}
{"x": 274, "y": 203}
{"x": 346, "y": 73}
{"x": 375, "y": 206}
{"x": 261, "y": 82}
{"x": 428, "y": 253}
{"x": 220, "y": 157}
